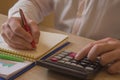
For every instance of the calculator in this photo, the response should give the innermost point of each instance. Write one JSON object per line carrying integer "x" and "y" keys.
{"x": 65, "y": 63}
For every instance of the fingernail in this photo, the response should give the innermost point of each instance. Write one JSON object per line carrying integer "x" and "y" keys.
{"x": 77, "y": 57}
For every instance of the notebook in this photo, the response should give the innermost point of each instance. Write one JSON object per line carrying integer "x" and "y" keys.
{"x": 48, "y": 42}
{"x": 9, "y": 70}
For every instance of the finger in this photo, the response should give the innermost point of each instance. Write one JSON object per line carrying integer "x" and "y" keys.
{"x": 16, "y": 39}
{"x": 114, "y": 68}
{"x": 83, "y": 52}
{"x": 8, "y": 32}
{"x": 35, "y": 31}
{"x": 110, "y": 57}
{"x": 21, "y": 42}
{"x": 17, "y": 29}
{"x": 99, "y": 49}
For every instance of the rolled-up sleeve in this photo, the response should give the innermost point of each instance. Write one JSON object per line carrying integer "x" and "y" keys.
{"x": 33, "y": 9}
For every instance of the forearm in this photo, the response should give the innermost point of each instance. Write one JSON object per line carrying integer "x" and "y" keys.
{"x": 33, "y": 9}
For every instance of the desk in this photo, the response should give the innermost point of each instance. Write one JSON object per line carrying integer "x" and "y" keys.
{"x": 40, "y": 73}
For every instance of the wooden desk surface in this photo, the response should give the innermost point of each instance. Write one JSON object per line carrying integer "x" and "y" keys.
{"x": 40, "y": 73}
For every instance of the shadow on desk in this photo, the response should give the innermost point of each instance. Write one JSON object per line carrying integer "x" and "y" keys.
{"x": 59, "y": 76}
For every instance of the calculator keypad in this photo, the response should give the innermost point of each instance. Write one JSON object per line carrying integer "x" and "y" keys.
{"x": 66, "y": 58}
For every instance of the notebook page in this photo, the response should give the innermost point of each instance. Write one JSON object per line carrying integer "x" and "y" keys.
{"x": 47, "y": 41}
{"x": 9, "y": 68}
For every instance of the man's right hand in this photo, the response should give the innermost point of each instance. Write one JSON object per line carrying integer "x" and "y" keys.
{"x": 15, "y": 35}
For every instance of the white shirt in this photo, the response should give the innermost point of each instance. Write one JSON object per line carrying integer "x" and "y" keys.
{"x": 99, "y": 18}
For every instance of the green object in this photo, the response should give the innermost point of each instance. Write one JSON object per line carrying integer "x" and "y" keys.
{"x": 10, "y": 57}
{"x": 9, "y": 65}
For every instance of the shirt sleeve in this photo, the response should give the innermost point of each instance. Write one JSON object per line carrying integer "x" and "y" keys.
{"x": 33, "y": 9}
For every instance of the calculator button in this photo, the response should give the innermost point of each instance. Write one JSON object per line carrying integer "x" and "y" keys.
{"x": 83, "y": 64}
{"x": 76, "y": 67}
{"x": 80, "y": 66}
{"x": 58, "y": 57}
{"x": 68, "y": 57}
{"x": 61, "y": 55}
{"x": 91, "y": 65}
{"x": 89, "y": 68}
{"x": 54, "y": 59}
{"x": 61, "y": 61}
{"x": 72, "y": 54}
{"x": 86, "y": 61}
{"x": 94, "y": 65}
{"x": 73, "y": 61}
{"x": 97, "y": 61}
{"x": 73, "y": 64}
{"x": 67, "y": 62}
{"x": 65, "y": 59}
{"x": 64, "y": 53}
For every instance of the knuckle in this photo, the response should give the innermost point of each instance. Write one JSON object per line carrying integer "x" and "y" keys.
{"x": 4, "y": 26}
{"x": 31, "y": 21}
{"x": 11, "y": 19}
{"x": 110, "y": 39}
{"x": 97, "y": 46}
{"x": 91, "y": 44}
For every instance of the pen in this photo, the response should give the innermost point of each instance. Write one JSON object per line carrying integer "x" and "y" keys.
{"x": 26, "y": 26}
{"x": 10, "y": 57}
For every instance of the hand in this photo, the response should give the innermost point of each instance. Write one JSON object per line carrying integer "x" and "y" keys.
{"x": 16, "y": 37}
{"x": 107, "y": 49}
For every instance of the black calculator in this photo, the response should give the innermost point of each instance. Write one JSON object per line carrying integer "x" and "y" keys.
{"x": 65, "y": 63}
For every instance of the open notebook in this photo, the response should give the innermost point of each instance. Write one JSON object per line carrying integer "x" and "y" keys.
{"x": 9, "y": 70}
{"x": 48, "y": 41}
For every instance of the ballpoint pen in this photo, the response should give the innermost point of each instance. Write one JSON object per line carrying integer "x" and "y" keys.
{"x": 10, "y": 57}
{"x": 26, "y": 26}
